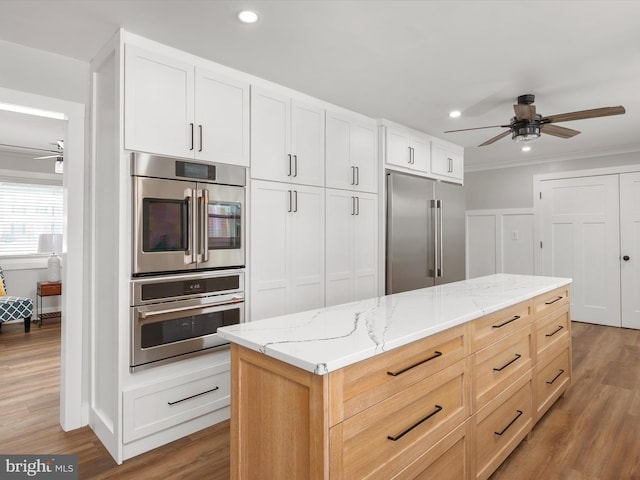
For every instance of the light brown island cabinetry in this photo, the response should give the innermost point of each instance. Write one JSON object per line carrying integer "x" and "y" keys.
{"x": 450, "y": 406}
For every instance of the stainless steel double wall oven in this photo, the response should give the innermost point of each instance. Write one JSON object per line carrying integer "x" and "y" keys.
{"x": 188, "y": 255}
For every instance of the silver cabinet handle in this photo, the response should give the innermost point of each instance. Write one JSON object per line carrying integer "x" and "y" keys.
{"x": 289, "y": 171}
{"x": 295, "y": 197}
{"x": 200, "y": 131}
{"x": 353, "y": 175}
{"x": 192, "y": 141}
{"x": 290, "y": 201}
{"x": 357, "y": 175}
{"x": 357, "y": 205}
{"x": 450, "y": 166}
{"x": 410, "y": 155}
{"x": 295, "y": 165}
{"x": 353, "y": 205}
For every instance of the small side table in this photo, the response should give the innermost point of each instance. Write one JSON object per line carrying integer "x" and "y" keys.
{"x": 46, "y": 289}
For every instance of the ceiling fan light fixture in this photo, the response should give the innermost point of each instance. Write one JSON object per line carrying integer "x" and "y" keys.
{"x": 525, "y": 133}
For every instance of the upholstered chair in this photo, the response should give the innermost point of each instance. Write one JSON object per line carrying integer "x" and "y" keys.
{"x": 14, "y": 308}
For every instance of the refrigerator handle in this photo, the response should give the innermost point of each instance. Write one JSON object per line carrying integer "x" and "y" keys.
{"x": 440, "y": 272}
{"x": 436, "y": 240}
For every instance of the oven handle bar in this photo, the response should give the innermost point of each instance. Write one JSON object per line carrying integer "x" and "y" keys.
{"x": 185, "y": 309}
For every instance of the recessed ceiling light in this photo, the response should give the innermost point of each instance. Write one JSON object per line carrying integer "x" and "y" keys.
{"x": 526, "y": 148}
{"x": 248, "y": 16}
{"x": 454, "y": 114}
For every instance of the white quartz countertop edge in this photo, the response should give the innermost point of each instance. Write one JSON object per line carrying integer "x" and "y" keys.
{"x": 324, "y": 340}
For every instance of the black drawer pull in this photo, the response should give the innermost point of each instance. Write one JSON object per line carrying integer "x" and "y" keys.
{"x": 193, "y": 396}
{"x": 428, "y": 359}
{"x": 517, "y": 317}
{"x": 560, "y": 327}
{"x": 556, "y": 377}
{"x": 508, "y": 363}
{"x": 510, "y": 423}
{"x": 554, "y": 301}
{"x": 402, "y": 434}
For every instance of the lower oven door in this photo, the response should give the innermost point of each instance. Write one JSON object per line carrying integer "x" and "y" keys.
{"x": 169, "y": 331}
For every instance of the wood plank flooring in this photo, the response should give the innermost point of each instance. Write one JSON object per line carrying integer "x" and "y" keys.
{"x": 591, "y": 433}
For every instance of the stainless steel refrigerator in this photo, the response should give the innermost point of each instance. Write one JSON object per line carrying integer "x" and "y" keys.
{"x": 425, "y": 233}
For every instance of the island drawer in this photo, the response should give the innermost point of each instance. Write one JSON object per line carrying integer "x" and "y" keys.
{"x": 547, "y": 302}
{"x": 449, "y": 459}
{"x": 490, "y": 328}
{"x": 382, "y": 440}
{"x": 552, "y": 331}
{"x": 552, "y": 379}
{"x": 502, "y": 425}
{"x": 500, "y": 364}
{"x": 363, "y": 384}
{"x": 162, "y": 405}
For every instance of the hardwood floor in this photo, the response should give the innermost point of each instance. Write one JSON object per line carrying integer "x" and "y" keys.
{"x": 592, "y": 433}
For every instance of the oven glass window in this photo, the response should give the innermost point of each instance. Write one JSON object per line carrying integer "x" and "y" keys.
{"x": 185, "y": 328}
{"x": 224, "y": 225}
{"x": 164, "y": 225}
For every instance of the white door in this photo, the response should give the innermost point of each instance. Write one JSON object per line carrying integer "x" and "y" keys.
{"x": 580, "y": 239}
{"x": 270, "y": 140}
{"x": 307, "y": 144}
{"x": 222, "y": 119}
{"x": 630, "y": 248}
{"x": 339, "y": 173}
{"x": 306, "y": 249}
{"x": 421, "y": 154}
{"x": 365, "y": 246}
{"x": 270, "y": 205}
{"x": 398, "y": 147}
{"x": 364, "y": 157}
{"x": 158, "y": 104}
{"x": 340, "y": 208}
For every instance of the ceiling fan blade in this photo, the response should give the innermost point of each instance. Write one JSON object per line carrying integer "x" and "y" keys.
{"x": 558, "y": 131}
{"x": 525, "y": 112}
{"x": 478, "y": 128}
{"x": 47, "y": 156}
{"x": 496, "y": 138}
{"x": 584, "y": 114}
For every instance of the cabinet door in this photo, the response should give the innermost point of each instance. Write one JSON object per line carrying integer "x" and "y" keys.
{"x": 364, "y": 157}
{"x": 421, "y": 154}
{"x": 446, "y": 162}
{"x": 340, "y": 206}
{"x": 158, "y": 104}
{"x": 365, "y": 246}
{"x": 398, "y": 147}
{"x": 270, "y": 141}
{"x": 306, "y": 249}
{"x": 630, "y": 248}
{"x": 307, "y": 144}
{"x": 339, "y": 172}
{"x": 269, "y": 254}
{"x": 222, "y": 119}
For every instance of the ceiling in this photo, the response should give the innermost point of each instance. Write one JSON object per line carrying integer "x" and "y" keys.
{"x": 409, "y": 61}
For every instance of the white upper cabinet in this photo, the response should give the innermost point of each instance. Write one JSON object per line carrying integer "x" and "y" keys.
{"x": 351, "y": 153}
{"x": 287, "y": 139}
{"x": 174, "y": 108}
{"x": 447, "y": 161}
{"x": 408, "y": 149}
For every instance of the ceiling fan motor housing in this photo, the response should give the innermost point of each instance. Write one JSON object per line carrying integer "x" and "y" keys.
{"x": 525, "y": 130}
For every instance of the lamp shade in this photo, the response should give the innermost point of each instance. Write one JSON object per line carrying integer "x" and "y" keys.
{"x": 50, "y": 243}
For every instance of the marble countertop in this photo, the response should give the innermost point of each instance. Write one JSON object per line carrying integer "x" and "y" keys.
{"x": 327, "y": 339}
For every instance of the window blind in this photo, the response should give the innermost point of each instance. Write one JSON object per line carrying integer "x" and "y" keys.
{"x": 26, "y": 211}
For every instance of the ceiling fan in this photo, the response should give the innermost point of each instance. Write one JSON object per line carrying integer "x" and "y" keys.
{"x": 528, "y": 125}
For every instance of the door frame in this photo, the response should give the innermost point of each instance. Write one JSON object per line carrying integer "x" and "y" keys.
{"x": 537, "y": 186}
{"x": 74, "y": 406}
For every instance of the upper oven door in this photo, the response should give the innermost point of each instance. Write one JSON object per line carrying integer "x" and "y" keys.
{"x": 221, "y": 227}
{"x": 163, "y": 227}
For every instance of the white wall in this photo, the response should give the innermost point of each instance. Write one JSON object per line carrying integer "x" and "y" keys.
{"x": 513, "y": 187}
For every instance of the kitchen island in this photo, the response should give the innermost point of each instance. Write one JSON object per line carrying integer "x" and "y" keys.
{"x": 442, "y": 381}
